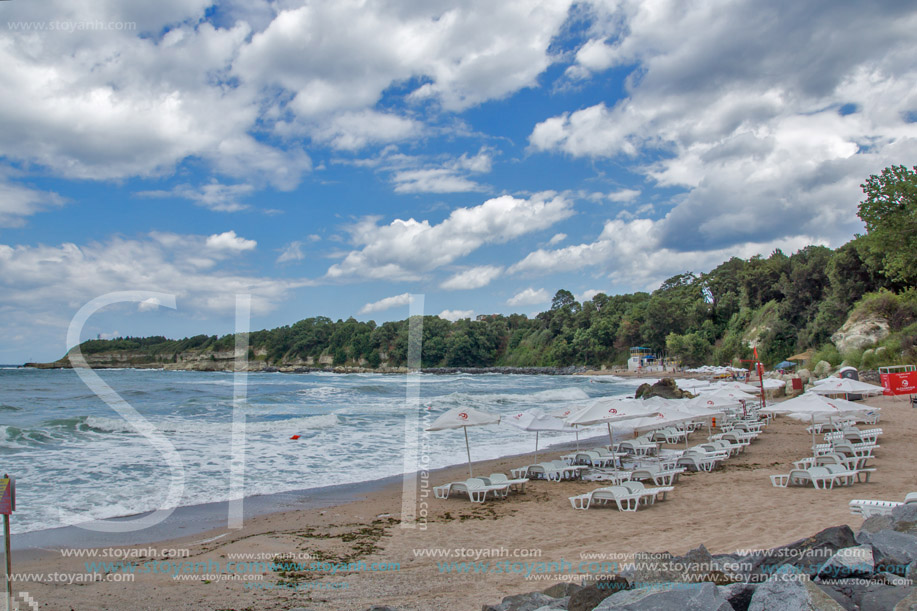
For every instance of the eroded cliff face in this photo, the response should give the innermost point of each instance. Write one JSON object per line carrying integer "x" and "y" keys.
{"x": 860, "y": 332}
{"x": 204, "y": 360}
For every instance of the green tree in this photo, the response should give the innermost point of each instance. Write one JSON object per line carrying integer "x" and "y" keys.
{"x": 890, "y": 214}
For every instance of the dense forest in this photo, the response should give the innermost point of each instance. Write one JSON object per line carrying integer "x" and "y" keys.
{"x": 782, "y": 303}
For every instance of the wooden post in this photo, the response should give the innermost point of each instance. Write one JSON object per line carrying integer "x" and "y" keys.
{"x": 9, "y": 563}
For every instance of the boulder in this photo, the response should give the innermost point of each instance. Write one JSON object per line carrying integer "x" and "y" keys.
{"x": 849, "y": 562}
{"x": 559, "y": 604}
{"x": 804, "y": 374}
{"x": 822, "y": 369}
{"x": 590, "y": 596}
{"x": 560, "y": 590}
{"x": 668, "y": 597}
{"x": 893, "y": 550}
{"x": 908, "y": 603}
{"x": 860, "y": 333}
{"x": 882, "y": 598}
{"x": 665, "y": 388}
{"x": 790, "y": 590}
{"x": 523, "y": 602}
{"x": 806, "y": 555}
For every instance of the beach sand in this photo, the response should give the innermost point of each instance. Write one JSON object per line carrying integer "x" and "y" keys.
{"x": 732, "y": 508}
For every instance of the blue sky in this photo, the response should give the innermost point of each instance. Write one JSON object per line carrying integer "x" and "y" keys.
{"x": 332, "y": 158}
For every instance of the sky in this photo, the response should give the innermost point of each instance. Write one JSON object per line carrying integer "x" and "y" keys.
{"x": 334, "y": 158}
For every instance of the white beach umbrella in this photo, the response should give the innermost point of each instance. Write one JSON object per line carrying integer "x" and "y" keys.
{"x": 608, "y": 410}
{"x": 691, "y": 383}
{"x": 773, "y": 384}
{"x": 845, "y": 386}
{"x": 536, "y": 420}
{"x": 463, "y": 417}
{"x": 810, "y": 405}
{"x": 667, "y": 415}
{"x": 754, "y": 390}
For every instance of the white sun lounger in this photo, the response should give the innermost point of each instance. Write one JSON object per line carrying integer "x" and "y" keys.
{"x": 650, "y": 495}
{"x": 623, "y": 498}
{"x": 660, "y": 477}
{"x": 869, "y": 508}
{"x": 820, "y": 477}
{"x": 515, "y": 484}
{"x": 475, "y": 487}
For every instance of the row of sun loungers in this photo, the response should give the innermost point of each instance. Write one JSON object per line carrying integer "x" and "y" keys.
{"x": 841, "y": 461}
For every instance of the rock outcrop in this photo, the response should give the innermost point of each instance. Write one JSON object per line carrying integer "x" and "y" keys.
{"x": 858, "y": 333}
{"x": 665, "y": 388}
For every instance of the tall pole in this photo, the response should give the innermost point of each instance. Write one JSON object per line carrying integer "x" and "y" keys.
{"x": 9, "y": 563}
{"x": 468, "y": 449}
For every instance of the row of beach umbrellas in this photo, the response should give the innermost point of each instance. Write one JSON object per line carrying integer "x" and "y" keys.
{"x": 656, "y": 413}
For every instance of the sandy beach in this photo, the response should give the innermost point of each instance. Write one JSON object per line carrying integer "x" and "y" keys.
{"x": 733, "y": 508}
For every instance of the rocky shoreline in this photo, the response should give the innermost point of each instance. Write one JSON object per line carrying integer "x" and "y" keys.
{"x": 833, "y": 570}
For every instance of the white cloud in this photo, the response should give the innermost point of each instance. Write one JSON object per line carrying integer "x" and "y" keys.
{"x": 433, "y": 180}
{"x": 587, "y": 295}
{"x": 743, "y": 102}
{"x": 473, "y": 278}
{"x": 557, "y": 239}
{"x": 229, "y": 241}
{"x": 455, "y": 315}
{"x": 386, "y": 304}
{"x": 529, "y": 296}
{"x": 354, "y": 130}
{"x": 18, "y": 202}
{"x": 624, "y": 195}
{"x": 292, "y": 252}
{"x": 213, "y": 196}
{"x": 633, "y": 257}
{"x": 53, "y": 281}
{"x": 405, "y": 249}
{"x": 148, "y": 304}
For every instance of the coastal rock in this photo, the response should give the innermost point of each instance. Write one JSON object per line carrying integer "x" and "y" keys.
{"x": 523, "y": 602}
{"x": 590, "y": 596}
{"x": 738, "y": 594}
{"x": 668, "y": 597}
{"x": 882, "y": 598}
{"x": 893, "y": 550}
{"x": 858, "y": 333}
{"x": 806, "y": 554}
{"x": 908, "y": 603}
{"x": 804, "y": 374}
{"x": 790, "y": 590}
{"x": 665, "y": 388}
{"x": 822, "y": 369}
{"x": 561, "y": 590}
{"x": 849, "y": 562}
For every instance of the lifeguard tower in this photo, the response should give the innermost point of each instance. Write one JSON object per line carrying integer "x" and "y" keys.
{"x": 641, "y": 359}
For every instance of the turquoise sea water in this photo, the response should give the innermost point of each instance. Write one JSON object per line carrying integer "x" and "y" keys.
{"x": 70, "y": 451}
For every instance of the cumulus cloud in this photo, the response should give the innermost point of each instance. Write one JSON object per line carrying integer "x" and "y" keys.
{"x": 633, "y": 257}
{"x": 51, "y": 279}
{"x": 291, "y": 252}
{"x": 764, "y": 115}
{"x": 473, "y": 278}
{"x": 230, "y": 242}
{"x": 455, "y": 315}
{"x": 405, "y": 249}
{"x": 557, "y": 239}
{"x": 386, "y": 304}
{"x": 529, "y": 296}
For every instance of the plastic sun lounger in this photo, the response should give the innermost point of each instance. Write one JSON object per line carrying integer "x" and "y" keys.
{"x": 650, "y": 495}
{"x": 869, "y": 508}
{"x": 697, "y": 463}
{"x": 515, "y": 484}
{"x": 615, "y": 477}
{"x": 623, "y": 498}
{"x": 660, "y": 477}
{"x": 592, "y": 459}
{"x": 475, "y": 487}
{"x": 820, "y": 477}
{"x": 849, "y": 476}
{"x": 569, "y": 471}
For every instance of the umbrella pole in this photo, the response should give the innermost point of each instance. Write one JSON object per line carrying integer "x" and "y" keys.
{"x": 611, "y": 440}
{"x": 576, "y": 428}
{"x": 813, "y": 434}
{"x": 536, "y": 446}
{"x": 468, "y": 450}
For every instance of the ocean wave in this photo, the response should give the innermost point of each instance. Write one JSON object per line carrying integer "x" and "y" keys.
{"x": 9, "y": 408}
{"x": 323, "y": 392}
{"x": 106, "y": 424}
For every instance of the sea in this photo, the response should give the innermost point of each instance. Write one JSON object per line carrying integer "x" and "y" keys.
{"x": 76, "y": 458}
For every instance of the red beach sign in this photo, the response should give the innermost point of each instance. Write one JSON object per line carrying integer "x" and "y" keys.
{"x": 7, "y": 496}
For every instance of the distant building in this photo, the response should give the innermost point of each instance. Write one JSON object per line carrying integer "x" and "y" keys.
{"x": 643, "y": 359}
